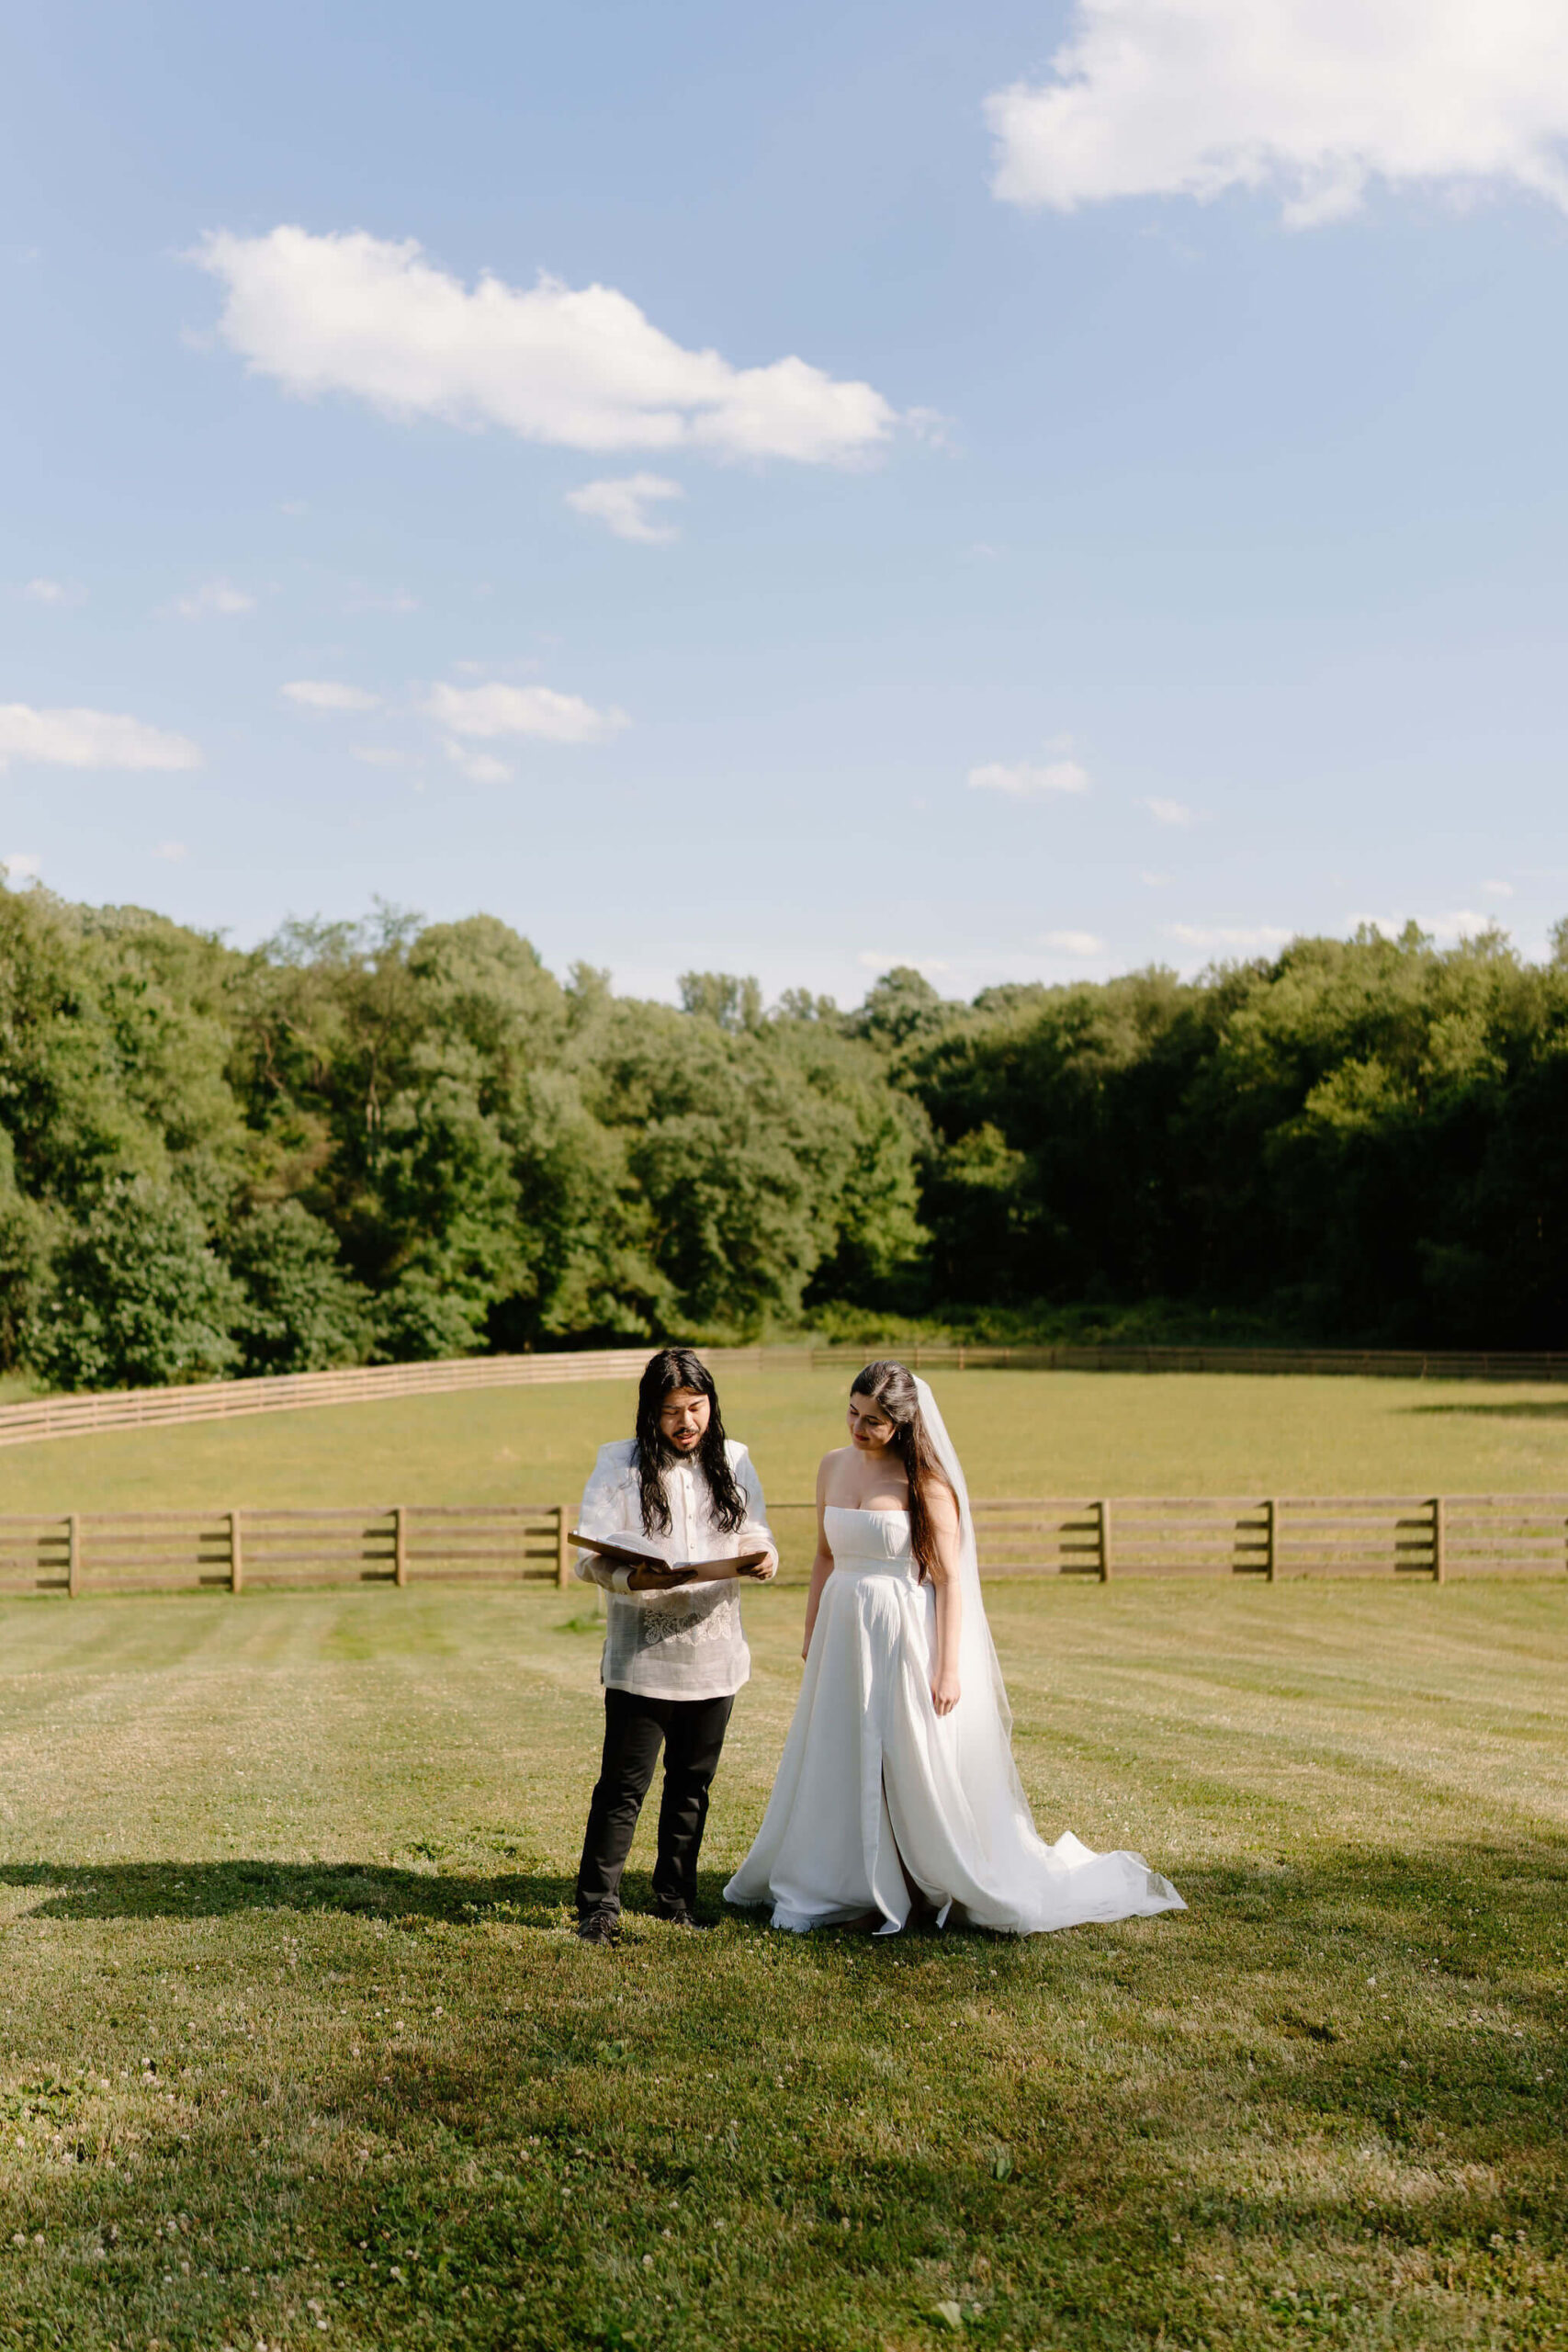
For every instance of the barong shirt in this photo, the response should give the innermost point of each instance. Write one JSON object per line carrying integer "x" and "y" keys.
{"x": 688, "y": 1643}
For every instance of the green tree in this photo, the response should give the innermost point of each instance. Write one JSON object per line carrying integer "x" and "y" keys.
{"x": 136, "y": 1296}
{"x": 299, "y": 1311}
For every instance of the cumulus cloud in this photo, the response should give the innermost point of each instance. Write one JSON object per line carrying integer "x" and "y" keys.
{"x": 89, "y": 739}
{"x": 54, "y": 592}
{"x": 1311, "y": 99}
{"x": 623, "y": 506}
{"x": 489, "y": 712}
{"x": 1458, "y": 922}
{"x": 1169, "y": 812}
{"x": 219, "y": 596}
{"x": 1248, "y": 939}
{"x": 22, "y": 865}
{"x": 480, "y": 767}
{"x": 328, "y": 694}
{"x": 581, "y": 367}
{"x": 1074, "y": 942}
{"x": 171, "y": 851}
{"x": 1025, "y": 783}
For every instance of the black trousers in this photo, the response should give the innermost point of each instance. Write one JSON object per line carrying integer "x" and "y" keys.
{"x": 690, "y": 1732}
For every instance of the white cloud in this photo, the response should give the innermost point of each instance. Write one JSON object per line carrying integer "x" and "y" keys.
{"x": 1248, "y": 939}
{"x": 1025, "y": 783}
{"x": 1312, "y": 99}
{"x": 54, "y": 592}
{"x": 173, "y": 852}
{"x": 1169, "y": 812}
{"x": 1498, "y": 889}
{"x": 480, "y": 767}
{"x": 376, "y": 755}
{"x": 327, "y": 693}
{"x": 1458, "y": 922}
{"x": 622, "y": 506}
{"x": 89, "y": 739}
{"x": 22, "y": 865}
{"x": 487, "y": 712}
{"x": 578, "y": 367}
{"x": 1074, "y": 942}
{"x": 219, "y": 596}
{"x": 1156, "y": 881}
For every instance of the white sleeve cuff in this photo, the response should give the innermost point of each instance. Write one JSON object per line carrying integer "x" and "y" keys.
{"x": 621, "y": 1580}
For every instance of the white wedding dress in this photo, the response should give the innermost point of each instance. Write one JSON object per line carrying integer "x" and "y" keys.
{"x": 877, "y": 1792}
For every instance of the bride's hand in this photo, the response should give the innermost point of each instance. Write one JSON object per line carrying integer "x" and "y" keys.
{"x": 945, "y": 1692}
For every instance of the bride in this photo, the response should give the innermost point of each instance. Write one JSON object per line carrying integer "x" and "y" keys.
{"x": 897, "y": 1788}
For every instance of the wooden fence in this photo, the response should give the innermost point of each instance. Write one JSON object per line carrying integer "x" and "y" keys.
{"x": 240, "y": 1550}
{"x": 47, "y": 1417}
{"x": 1276, "y": 1535}
{"x": 1104, "y": 1537}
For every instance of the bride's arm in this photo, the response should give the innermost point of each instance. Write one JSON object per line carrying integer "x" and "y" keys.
{"x": 943, "y": 1514}
{"x": 821, "y": 1567}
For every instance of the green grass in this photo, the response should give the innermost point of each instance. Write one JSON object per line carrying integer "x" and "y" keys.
{"x": 292, "y": 2026}
{"x": 1021, "y": 1433}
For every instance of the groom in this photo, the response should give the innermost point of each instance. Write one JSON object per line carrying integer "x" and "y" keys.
{"x": 674, "y": 1652}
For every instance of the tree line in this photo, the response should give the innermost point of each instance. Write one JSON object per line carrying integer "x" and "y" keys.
{"x": 389, "y": 1140}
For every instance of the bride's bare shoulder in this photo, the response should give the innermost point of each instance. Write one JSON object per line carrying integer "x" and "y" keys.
{"x": 829, "y": 1462}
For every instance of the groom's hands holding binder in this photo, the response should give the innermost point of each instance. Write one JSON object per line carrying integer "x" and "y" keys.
{"x": 651, "y": 1575}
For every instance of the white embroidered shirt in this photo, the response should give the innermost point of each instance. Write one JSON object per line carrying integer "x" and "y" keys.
{"x": 686, "y": 1644}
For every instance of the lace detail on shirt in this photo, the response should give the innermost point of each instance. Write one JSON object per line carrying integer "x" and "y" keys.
{"x": 660, "y": 1623}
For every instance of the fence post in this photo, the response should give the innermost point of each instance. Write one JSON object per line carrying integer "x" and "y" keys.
{"x": 563, "y": 1566}
{"x": 73, "y": 1556}
{"x": 1270, "y": 1533}
{"x": 1104, "y": 1510}
{"x": 236, "y": 1554}
{"x": 400, "y": 1544}
{"x": 1438, "y": 1534}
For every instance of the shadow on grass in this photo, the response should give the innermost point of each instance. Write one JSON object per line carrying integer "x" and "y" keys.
{"x": 1498, "y": 1412}
{"x": 219, "y": 1890}
{"x": 1325, "y": 2108}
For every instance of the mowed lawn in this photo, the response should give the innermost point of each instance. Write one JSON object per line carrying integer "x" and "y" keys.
{"x": 297, "y": 2046}
{"x": 1021, "y": 1433}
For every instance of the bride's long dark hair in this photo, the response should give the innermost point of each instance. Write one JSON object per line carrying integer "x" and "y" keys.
{"x": 891, "y": 1388}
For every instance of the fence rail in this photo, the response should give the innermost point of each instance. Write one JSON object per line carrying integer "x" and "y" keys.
{"x": 1276, "y": 1535}
{"x": 238, "y": 1549}
{"x": 47, "y": 1417}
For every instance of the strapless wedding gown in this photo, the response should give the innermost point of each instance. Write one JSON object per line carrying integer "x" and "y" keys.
{"x": 876, "y": 1793}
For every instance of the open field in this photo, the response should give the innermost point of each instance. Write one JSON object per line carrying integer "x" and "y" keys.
{"x": 1020, "y": 1432}
{"x": 295, "y": 2046}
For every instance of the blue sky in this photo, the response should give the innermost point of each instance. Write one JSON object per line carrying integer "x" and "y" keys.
{"x": 1153, "y": 550}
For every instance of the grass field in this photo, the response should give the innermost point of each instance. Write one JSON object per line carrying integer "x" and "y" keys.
{"x": 1021, "y": 1433}
{"x": 295, "y": 2046}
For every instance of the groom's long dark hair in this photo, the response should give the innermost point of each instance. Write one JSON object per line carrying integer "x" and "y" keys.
{"x": 679, "y": 1368}
{"x": 891, "y": 1388}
